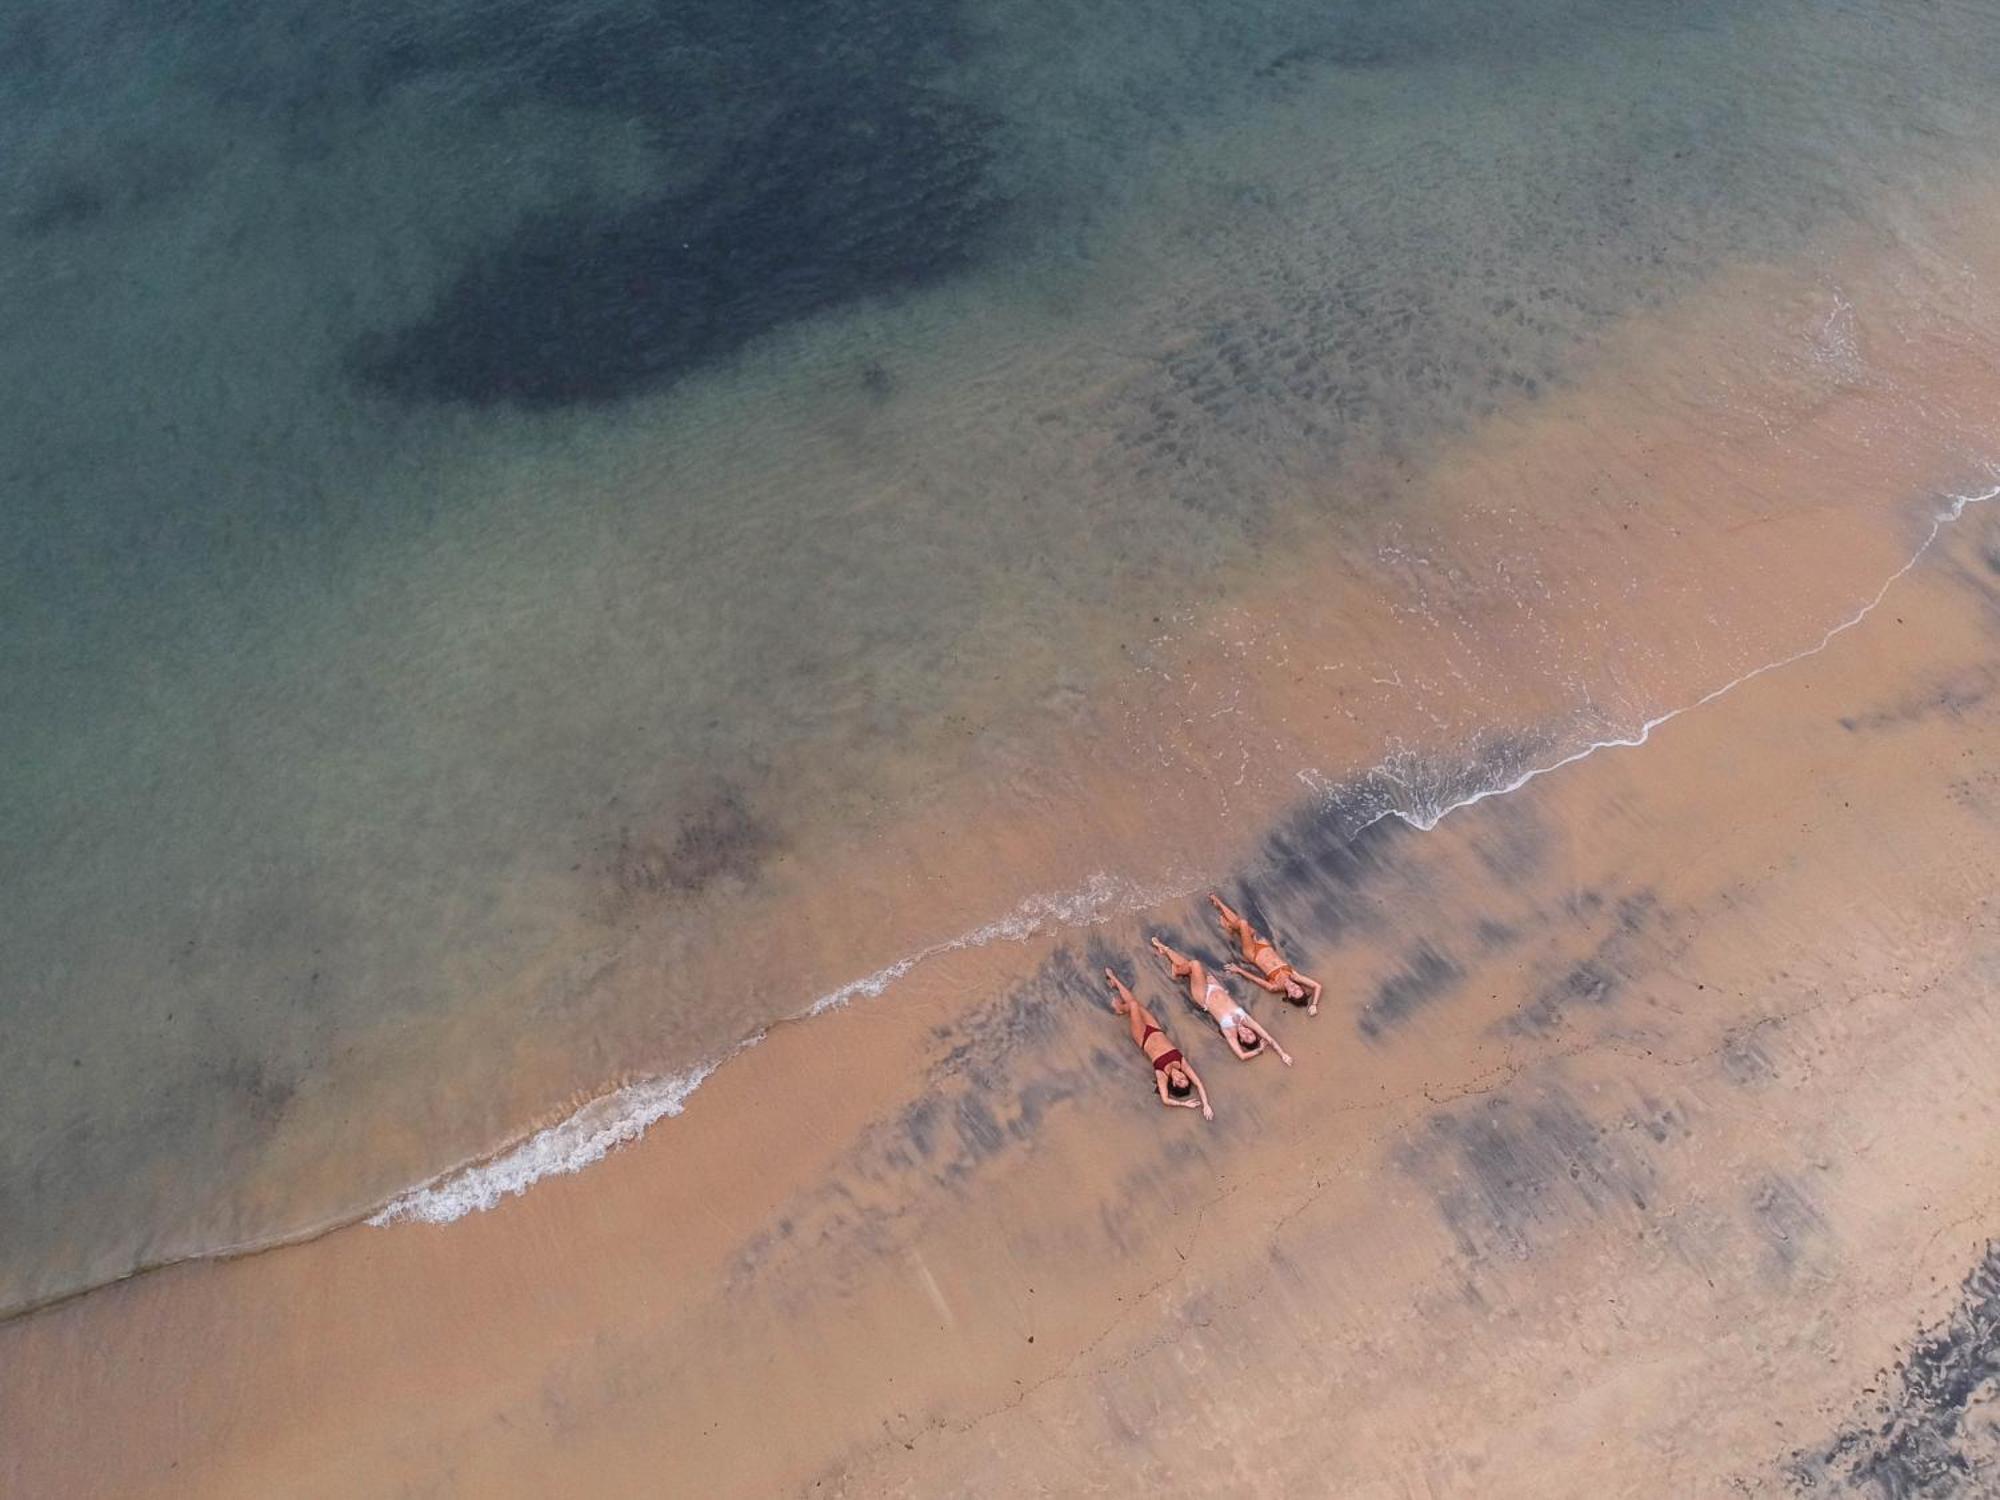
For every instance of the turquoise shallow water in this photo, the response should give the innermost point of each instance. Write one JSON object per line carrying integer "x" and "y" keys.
{"x": 441, "y": 439}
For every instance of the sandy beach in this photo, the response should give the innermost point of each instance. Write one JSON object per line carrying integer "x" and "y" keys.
{"x": 611, "y": 612}
{"x": 1646, "y": 1144}
{"x": 1647, "y": 1136}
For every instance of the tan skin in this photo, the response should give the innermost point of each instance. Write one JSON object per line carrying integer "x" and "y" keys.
{"x": 1208, "y": 994}
{"x": 1153, "y": 1041}
{"x": 1278, "y": 977}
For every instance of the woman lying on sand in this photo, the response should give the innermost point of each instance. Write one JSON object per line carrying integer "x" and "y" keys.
{"x": 1279, "y": 977}
{"x": 1239, "y": 1028}
{"x": 1178, "y": 1083}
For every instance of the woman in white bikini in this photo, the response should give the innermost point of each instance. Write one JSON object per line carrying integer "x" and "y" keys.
{"x": 1239, "y": 1028}
{"x": 1279, "y": 977}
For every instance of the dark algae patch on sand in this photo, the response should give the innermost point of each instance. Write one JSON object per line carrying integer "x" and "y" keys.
{"x": 1426, "y": 975}
{"x": 1511, "y": 1172}
{"x": 1930, "y": 1429}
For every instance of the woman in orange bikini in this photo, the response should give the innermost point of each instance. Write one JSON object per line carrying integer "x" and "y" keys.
{"x": 1238, "y": 1027}
{"x": 1179, "y": 1084}
{"x": 1279, "y": 977}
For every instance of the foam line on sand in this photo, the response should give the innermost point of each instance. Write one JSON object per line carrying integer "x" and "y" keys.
{"x": 623, "y": 1115}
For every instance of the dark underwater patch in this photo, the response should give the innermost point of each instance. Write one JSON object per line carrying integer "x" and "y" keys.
{"x": 716, "y": 839}
{"x": 826, "y": 206}
{"x": 1917, "y": 1436}
{"x": 68, "y": 203}
{"x": 827, "y": 170}
{"x": 259, "y": 1088}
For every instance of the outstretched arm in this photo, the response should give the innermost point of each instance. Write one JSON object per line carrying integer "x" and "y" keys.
{"x": 1312, "y": 987}
{"x": 1252, "y": 1022}
{"x": 1269, "y": 986}
{"x": 1201, "y": 1093}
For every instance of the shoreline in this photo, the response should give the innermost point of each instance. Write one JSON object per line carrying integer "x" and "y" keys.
{"x": 1200, "y": 670}
{"x": 480, "y": 1185}
{"x": 623, "y": 1115}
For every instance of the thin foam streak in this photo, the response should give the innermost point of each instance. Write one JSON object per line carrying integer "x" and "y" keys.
{"x": 1429, "y": 820}
{"x": 623, "y": 1115}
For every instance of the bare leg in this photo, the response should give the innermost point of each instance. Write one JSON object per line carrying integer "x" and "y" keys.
{"x": 1197, "y": 982}
{"x": 1234, "y": 925}
{"x": 1125, "y": 1003}
{"x": 1179, "y": 963}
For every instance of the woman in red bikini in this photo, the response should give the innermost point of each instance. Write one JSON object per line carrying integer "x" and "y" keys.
{"x": 1179, "y": 1084}
{"x": 1279, "y": 977}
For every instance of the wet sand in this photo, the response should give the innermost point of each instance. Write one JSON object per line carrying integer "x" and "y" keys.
{"x": 1648, "y": 1121}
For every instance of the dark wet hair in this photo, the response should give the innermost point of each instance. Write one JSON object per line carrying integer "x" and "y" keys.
{"x": 1182, "y": 1089}
{"x": 1248, "y": 1040}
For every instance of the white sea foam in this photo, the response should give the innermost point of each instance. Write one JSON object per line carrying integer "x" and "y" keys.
{"x": 623, "y": 1115}
{"x": 1098, "y": 899}
{"x": 1427, "y": 816}
{"x": 592, "y": 1133}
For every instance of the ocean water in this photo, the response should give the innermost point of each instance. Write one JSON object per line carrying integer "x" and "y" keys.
{"x": 486, "y": 490}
